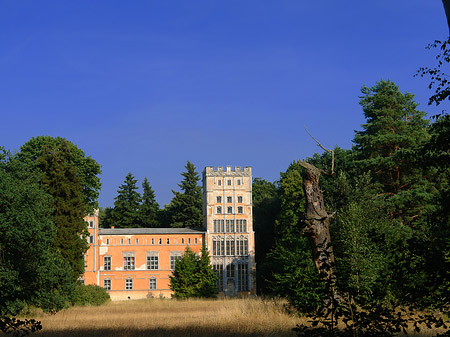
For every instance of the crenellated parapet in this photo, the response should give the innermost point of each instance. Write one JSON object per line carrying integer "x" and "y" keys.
{"x": 228, "y": 171}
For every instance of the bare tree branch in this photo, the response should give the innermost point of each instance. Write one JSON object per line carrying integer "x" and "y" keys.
{"x": 320, "y": 145}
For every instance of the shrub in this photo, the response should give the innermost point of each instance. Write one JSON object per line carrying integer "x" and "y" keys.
{"x": 89, "y": 295}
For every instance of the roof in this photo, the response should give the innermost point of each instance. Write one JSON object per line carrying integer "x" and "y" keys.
{"x": 135, "y": 231}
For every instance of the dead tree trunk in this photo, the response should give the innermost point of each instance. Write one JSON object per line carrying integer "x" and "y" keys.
{"x": 317, "y": 228}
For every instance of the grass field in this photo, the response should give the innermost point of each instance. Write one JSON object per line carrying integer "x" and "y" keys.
{"x": 222, "y": 318}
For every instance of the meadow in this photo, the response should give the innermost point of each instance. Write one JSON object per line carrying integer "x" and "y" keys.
{"x": 164, "y": 317}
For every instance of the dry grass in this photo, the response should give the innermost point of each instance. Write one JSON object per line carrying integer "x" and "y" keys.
{"x": 222, "y": 318}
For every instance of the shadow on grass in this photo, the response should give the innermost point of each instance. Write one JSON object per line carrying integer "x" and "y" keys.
{"x": 194, "y": 332}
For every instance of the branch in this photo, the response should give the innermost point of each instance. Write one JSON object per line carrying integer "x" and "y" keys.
{"x": 320, "y": 145}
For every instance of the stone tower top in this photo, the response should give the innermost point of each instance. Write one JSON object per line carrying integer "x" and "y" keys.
{"x": 210, "y": 171}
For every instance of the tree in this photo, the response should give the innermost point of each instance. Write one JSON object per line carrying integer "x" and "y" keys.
{"x": 149, "y": 208}
{"x": 126, "y": 205}
{"x": 387, "y": 146}
{"x": 61, "y": 181}
{"x": 193, "y": 276}
{"x": 31, "y": 271}
{"x": 186, "y": 206}
{"x": 292, "y": 272}
{"x": 266, "y": 208}
{"x": 87, "y": 169}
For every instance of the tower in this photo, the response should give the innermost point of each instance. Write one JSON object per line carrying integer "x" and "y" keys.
{"x": 228, "y": 219}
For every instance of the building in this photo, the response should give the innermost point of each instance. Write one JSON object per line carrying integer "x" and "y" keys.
{"x": 132, "y": 263}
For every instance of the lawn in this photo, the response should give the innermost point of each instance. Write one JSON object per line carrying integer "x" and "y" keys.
{"x": 164, "y": 317}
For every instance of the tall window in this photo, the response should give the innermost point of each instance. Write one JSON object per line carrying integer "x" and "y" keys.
{"x": 240, "y": 210}
{"x": 238, "y": 181}
{"x": 219, "y": 209}
{"x": 229, "y": 182}
{"x": 242, "y": 274}
{"x": 230, "y": 247}
{"x": 230, "y": 270}
{"x": 219, "y": 182}
{"x": 107, "y": 284}
{"x": 218, "y": 247}
{"x": 106, "y": 262}
{"x": 218, "y": 225}
{"x": 128, "y": 260}
{"x": 241, "y": 226}
{"x": 91, "y": 224}
{"x": 219, "y": 199}
{"x": 230, "y": 210}
{"x": 229, "y": 199}
{"x": 174, "y": 256}
{"x": 242, "y": 246}
{"x": 240, "y": 200}
{"x": 152, "y": 283}
{"x": 128, "y": 284}
{"x": 152, "y": 260}
{"x": 219, "y": 270}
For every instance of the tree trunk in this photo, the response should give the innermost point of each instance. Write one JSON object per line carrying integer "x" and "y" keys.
{"x": 446, "y": 4}
{"x": 317, "y": 228}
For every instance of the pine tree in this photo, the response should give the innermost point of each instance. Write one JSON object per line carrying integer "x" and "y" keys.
{"x": 186, "y": 206}
{"x": 126, "y": 205}
{"x": 149, "y": 208}
{"x": 193, "y": 276}
{"x": 61, "y": 181}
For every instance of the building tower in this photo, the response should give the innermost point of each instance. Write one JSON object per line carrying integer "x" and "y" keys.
{"x": 228, "y": 219}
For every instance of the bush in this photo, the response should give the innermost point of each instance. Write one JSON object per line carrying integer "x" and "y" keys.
{"x": 89, "y": 295}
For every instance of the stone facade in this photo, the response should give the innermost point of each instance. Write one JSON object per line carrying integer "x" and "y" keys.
{"x": 133, "y": 263}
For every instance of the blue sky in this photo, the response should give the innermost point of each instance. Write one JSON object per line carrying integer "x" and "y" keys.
{"x": 144, "y": 86}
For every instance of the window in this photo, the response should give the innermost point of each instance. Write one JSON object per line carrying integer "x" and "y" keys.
{"x": 241, "y": 226}
{"x": 238, "y": 182}
{"x": 219, "y": 209}
{"x": 230, "y": 247}
{"x": 218, "y": 247}
{"x": 137, "y": 241}
{"x": 168, "y": 241}
{"x": 219, "y": 182}
{"x": 107, "y": 241}
{"x": 121, "y": 241}
{"x": 153, "y": 241}
{"x": 229, "y": 182}
{"x": 242, "y": 274}
{"x": 219, "y": 270}
{"x": 182, "y": 241}
{"x": 91, "y": 224}
{"x": 159, "y": 241}
{"x": 229, "y": 226}
{"x": 152, "y": 283}
{"x": 219, "y": 199}
{"x": 152, "y": 260}
{"x": 240, "y": 200}
{"x": 242, "y": 246}
{"x": 107, "y": 284}
{"x": 230, "y": 210}
{"x": 107, "y": 262}
{"x": 128, "y": 261}
{"x": 129, "y": 241}
{"x": 218, "y": 226}
{"x": 230, "y": 270}
{"x": 82, "y": 281}
{"x": 240, "y": 210}
{"x": 189, "y": 241}
{"x": 195, "y": 241}
{"x": 91, "y": 239}
{"x": 229, "y": 199}
{"x": 128, "y": 284}
{"x": 174, "y": 256}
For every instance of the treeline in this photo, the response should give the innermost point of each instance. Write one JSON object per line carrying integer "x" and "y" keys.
{"x": 390, "y": 196}
{"x": 45, "y": 191}
{"x": 132, "y": 210}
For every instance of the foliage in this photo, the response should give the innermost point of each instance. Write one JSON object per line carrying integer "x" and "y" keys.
{"x": 266, "y": 207}
{"x": 126, "y": 205}
{"x": 193, "y": 276}
{"x": 31, "y": 271}
{"x": 186, "y": 206}
{"x": 87, "y": 169}
{"x": 89, "y": 295}
{"x": 293, "y": 273}
{"x": 439, "y": 79}
{"x": 62, "y": 182}
{"x": 149, "y": 208}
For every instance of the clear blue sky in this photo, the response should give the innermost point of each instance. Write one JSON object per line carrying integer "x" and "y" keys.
{"x": 144, "y": 86}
